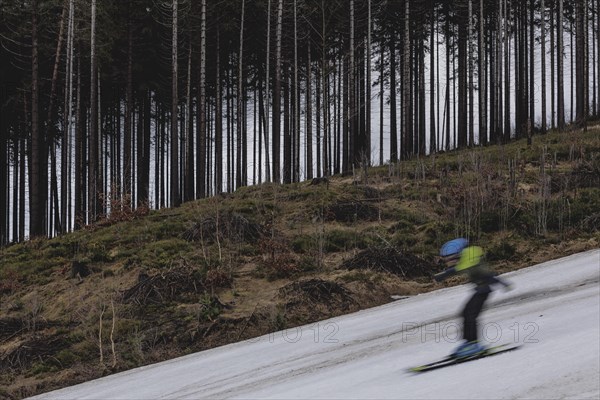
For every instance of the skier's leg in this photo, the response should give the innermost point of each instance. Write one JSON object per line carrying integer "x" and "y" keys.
{"x": 470, "y": 314}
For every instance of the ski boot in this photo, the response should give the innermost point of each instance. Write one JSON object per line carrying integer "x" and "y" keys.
{"x": 468, "y": 349}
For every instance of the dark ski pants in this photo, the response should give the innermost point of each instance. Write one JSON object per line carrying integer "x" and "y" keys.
{"x": 470, "y": 314}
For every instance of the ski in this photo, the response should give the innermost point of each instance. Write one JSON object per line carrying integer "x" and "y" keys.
{"x": 448, "y": 361}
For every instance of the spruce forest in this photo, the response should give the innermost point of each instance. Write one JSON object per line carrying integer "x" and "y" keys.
{"x": 150, "y": 103}
{"x": 178, "y": 175}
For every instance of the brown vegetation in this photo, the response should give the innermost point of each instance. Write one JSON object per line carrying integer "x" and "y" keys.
{"x": 266, "y": 258}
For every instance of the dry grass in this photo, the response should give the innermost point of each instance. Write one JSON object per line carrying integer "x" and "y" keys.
{"x": 273, "y": 256}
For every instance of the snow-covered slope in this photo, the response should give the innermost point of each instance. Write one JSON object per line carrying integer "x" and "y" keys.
{"x": 553, "y": 310}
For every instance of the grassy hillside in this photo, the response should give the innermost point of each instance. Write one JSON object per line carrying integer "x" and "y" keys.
{"x": 147, "y": 286}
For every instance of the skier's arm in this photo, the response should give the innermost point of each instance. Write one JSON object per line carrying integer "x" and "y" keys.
{"x": 495, "y": 280}
{"x": 444, "y": 274}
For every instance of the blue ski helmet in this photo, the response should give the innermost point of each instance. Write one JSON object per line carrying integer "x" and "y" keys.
{"x": 455, "y": 246}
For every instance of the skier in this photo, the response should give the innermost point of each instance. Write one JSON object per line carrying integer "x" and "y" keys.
{"x": 460, "y": 258}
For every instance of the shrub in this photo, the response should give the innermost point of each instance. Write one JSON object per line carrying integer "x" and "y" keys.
{"x": 584, "y": 205}
{"x": 351, "y": 211}
{"x": 303, "y": 243}
{"x": 342, "y": 240}
{"x": 390, "y": 260}
{"x": 490, "y": 221}
{"x": 278, "y": 261}
{"x": 404, "y": 241}
{"x": 163, "y": 252}
{"x": 9, "y": 281}
{"x": 438, "y": 232}
{"x": 502, "y": 251}
{"x": 308, "y": 264}
{"x": 217, "y": 278}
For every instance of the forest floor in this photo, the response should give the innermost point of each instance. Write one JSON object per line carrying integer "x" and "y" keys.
{"x": 144, "y": 286}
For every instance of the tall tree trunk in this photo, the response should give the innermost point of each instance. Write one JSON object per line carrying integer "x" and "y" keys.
{"x": 559, "y": 69}
{"x": 102, "y": 154}
{"x": 116, "y": 150}
{"x": 218, "y": 121}
{"x": 267, "y": 93}
{"x": 492, "y": 51}
{"x": 531, "y": 115}
{"x": 353, "y": 134}
{"x": 143, "y": 152}
{"x": 309, "y": 139}
{"x": 586, "y": 65}
{"x": 507, "y": 76}
{"x": 51, "y": 140}
{"x": 381, "y": 97}
{"x": 229, "y": 102}
{"x": 521, "y": 68}
{"x": 37, "y": 189}
{"x": 470, "y": 83}
{"x": 5, "y": 192}
{"x": 572, "y": 67}
{"x": 580, "y": 61}
{"x": 138, "y": 150}
{"x": 448, "y": 56}
{"x": 80, "y": 188}
{"x": 255, "y": 162}
{"x": 463, "y": 26}
{"x": 329, "y": 145}
{"x": 325, "y": 90}
{"x": 393, "y": 106}
{"x": 54, "y": 206}
{"x": 175, "y": 196}
{"x": 261, "y": 125}
{"x": 543, "y": 62}
{"x": 345, "y": 115}
{"x": 406, "y": 95}
{"x": 93, "y": 172}
{"x": 50, "y": 123}
{"x": 597, "y": 60}
{"x": 201, "y": 153}
{"x": 454, "y": 90}
{"x": 210, "y": 148}
{"x": 422, "y": 135}
{"x": 164, "y": 181}
{"x": 287, "y": 139}
{"x": 295, "y": 102}
{"x": 25, "y": 149}
{"x": 5, "y": 199}
{"x": 22, "y": 189}
{"x": 337, "y": 107}
{"x": 240, "y": 96}
{"x": 552, "y": 67}
{"x": 188, "y": 193}
{"x": 361, "y": 104}
{"x": 498, "y": 129}
{"x": 127, "y": 151}
{"x": 4, "y": 170}
{"x": 432, "y": 103}
{"x": 66, "y": 146}
{"x": 438, "y": 86}
{"x": 481, "y": 69}
{"x": 318, "y": 120}
{"x": 157, "y": 156}
{"x": 368, "y": 86}
{"x": 277, "y": 98}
